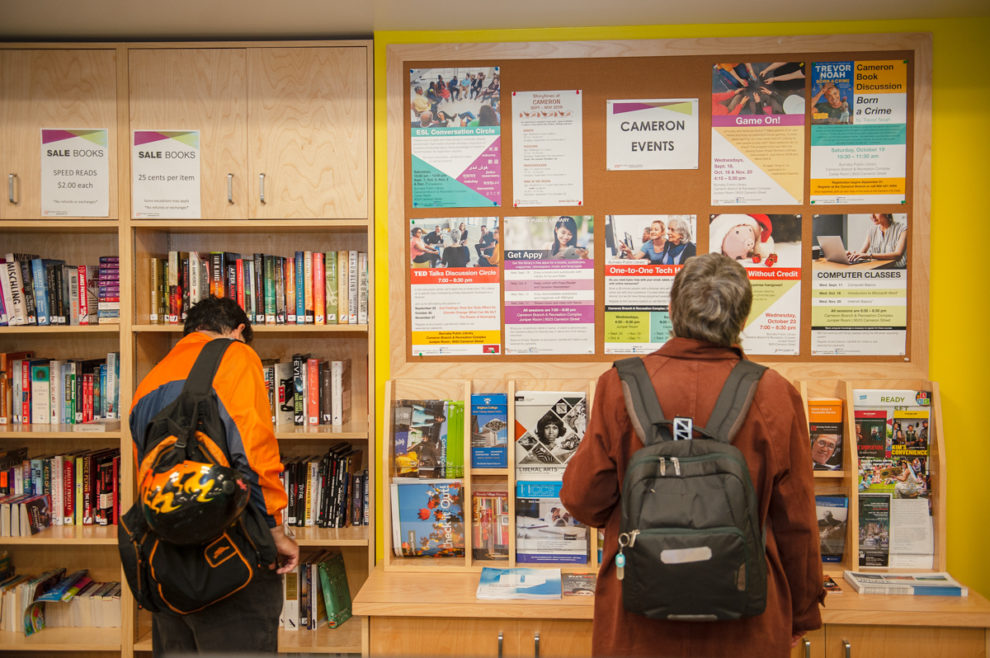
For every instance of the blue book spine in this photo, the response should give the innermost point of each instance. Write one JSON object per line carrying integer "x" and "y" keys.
{"x": 300, "y": 289}
{"x": 39, "y": 277}
{"x": 103, "y": 388}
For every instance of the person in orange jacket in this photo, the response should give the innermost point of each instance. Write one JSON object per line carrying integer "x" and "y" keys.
{"x": 248, "y": 620}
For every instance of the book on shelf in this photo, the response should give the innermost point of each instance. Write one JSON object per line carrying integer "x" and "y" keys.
{"x": 334, "y": 590}
{"x": 578, "y": 584}
{"x": 919, "y": 584}
{"x": 489, "y": 523}
{"x": 894, "y": 438}
{"x": 825, "y": 425}
{"x": 833, "y": 513}
{"x": 289, "y": 619}
{"x": 489, "y": 430}
{"x": 519, "y": 583}
{"x": 549, "y": 426}
{"x": 427, "y": 517}
{"x": 545, "y": 531}
{"x": 428, "y": 438}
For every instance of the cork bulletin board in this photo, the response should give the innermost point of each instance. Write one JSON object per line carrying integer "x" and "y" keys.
{"x": 800, "y": 208}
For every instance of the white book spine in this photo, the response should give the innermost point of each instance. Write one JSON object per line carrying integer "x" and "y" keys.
{"x": 352, "y": 287}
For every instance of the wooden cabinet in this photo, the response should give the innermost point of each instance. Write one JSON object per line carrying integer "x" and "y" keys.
{"x": 848, "y": 641}
{"x": 201, "y": 89}
{"x": 284, "y": 131}
{"x": 812, "y": 645}
{"x": 405, "y": 636}
{"x": 66, "y": 88}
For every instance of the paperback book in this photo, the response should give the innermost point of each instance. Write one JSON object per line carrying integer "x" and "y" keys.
{"x": 549, "y": 426}
{"x": 519, "y": 583}
{"x": 833, "y": 512}
{"x": 489, "y": 430}
{"x": 427, "y": 518}
{"x": 545, "y": 531}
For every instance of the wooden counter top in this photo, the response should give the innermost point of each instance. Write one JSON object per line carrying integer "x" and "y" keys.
{"x": 433, "y": 594}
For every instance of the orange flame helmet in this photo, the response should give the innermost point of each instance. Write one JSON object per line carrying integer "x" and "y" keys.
{"x": 192, "y": 502}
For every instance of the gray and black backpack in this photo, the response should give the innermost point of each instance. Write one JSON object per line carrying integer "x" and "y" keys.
{"x": 690, "y": 543}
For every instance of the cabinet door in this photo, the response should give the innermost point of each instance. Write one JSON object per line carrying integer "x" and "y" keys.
{"x": 205, "y": 90}
{"x": 900, "y": 641}
{"x": 70, "y": 89}
{"x": 554, "y": 638}
{"x": 308, "y": 132}
{"x": 812, "y": 645}
{"x": 430, "y": 636}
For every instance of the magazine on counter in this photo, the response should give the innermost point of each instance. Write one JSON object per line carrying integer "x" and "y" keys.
{"x": 919, "y": 584}
{"x": 519, "y": 583}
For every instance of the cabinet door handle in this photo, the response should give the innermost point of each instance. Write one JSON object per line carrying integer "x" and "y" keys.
{"x": 536, "y": 645}
{"x": 847, "y": 648}
{"x": 807, "y": 648}
{"x": 11, "y": 179}
{"x": 500, "y": 644}
{"x": 230, "y": 188}
{"x": 261, "y": 189}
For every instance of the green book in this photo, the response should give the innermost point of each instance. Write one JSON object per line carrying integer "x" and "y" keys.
{"x": 336, "y": 593}
{"x": 330, "y": 268}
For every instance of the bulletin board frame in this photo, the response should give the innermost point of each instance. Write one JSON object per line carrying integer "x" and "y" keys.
{"x": 589, "y": 56}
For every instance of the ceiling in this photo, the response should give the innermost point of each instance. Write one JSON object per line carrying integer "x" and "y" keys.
{"x": 246, "y": 19}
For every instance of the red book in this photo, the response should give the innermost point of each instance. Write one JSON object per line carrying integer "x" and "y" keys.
{"x": 83, "y": 296}
{"x": 116, "y": 489}
{"x": 87, "y": 397}
{"x": 319, "y": 288}
{"x": 69, "y": 489}
{"x": 312, "y": 392}
{"x": 240, "y": 283}
{"x": 26, "y": 391}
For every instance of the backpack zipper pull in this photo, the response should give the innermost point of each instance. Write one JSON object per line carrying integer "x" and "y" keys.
{"x": 663, "y": 467}
{"x": 677, "y": 466}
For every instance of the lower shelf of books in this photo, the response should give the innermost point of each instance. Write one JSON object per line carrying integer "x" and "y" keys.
{"x": 63, "y": 639}
{"x": 345, "y": 639}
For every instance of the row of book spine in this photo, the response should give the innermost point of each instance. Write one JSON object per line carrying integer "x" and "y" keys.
{"x": 81, "y": 488}
{"x": 308, "y": 391}
{"x": 58, "y": 391}
{"x": 328, "y": 491}
{"x": 311, "y": 287}
{"x": 316, "y": 593}
{"x": 64, "y": 601}
{"x": 49, "y": 291}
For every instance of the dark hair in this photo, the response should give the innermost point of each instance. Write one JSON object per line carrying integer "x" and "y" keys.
{"x": 549, "y": 420}
{"x": 487, "y": 116}
{"x": 710, "y": 299}
{"x": 219, "y": 315}
{"x": 568, "y": 223}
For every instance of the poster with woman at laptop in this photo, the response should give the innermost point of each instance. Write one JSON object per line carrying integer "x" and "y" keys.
{"x": 859, "y": 284}
{"x": 769, "y": 247}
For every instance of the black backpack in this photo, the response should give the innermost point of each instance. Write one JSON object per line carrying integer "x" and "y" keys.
{"x": 180, "y": 576}
{"x": 690, "y": 543}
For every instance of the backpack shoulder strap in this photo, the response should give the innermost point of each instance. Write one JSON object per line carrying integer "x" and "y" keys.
{"x": 197, "y": 386}
{"x": 200, "y": 378}
{"x": 642, "y": 403}
{"x": 733, "y": 401}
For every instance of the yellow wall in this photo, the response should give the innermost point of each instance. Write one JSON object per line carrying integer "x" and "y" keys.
{"x": 960, "y": 227}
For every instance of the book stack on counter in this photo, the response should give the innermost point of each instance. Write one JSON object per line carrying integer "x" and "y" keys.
{"x": 58, "y": 391}
{"x": 308, "y": 287}
{"x": 48, "y": 291}
{"x": 316, "y": 593}
{"x": 78, "y": 488}
{"x": 328, "y": 491}
{"x": 308, "y": 391}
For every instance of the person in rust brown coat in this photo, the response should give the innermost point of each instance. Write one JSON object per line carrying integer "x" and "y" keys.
{"x": 710, "y": 300}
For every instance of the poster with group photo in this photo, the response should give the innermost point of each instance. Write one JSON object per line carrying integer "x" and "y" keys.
{"x": 642, "y": 255}
{"x": 454, "y": 286}
{"x": 757, "y": 133}
{"x": 858, "y": 132}
{"x": 769, "y": 247}
{"x": 455, "y": 137}
{"x": 859, "y": 284}
{"x": 549, "y": 285}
